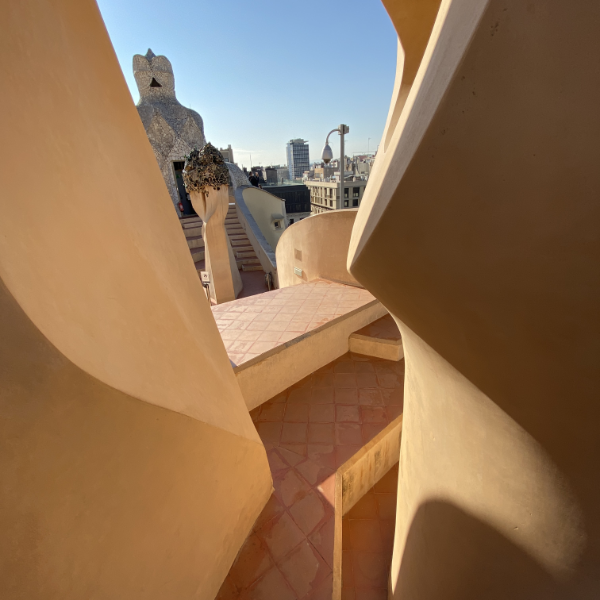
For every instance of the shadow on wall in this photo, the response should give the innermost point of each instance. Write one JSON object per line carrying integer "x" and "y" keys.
{"x": 469, "y": 559}
{"x": 316, "y": 248}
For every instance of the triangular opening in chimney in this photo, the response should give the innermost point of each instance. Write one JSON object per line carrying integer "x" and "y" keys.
{"x": 154, "y": 83}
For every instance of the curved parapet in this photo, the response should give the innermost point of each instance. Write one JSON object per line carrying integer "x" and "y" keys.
{"x": 129, "y": 464}
{"x": 479, "y": 232}
{"x": 262, "y": 216}
{"x": 316, "y": 248}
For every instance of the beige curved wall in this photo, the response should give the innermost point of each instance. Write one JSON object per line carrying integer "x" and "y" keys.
{"x": 486, "y": 197}
{"x": 130, "y": 465}
{"x": 318, "y": 246}
{"x": 263, "y": 206}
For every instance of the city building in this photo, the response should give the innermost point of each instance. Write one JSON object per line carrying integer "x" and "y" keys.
{"x": 270, "y": 175}
{"x": 227, "y": 154}
{"x": 324, "y": 171}
{"x": 324, "y": 194}
{"x": 173, "y": 130}
{"x": 283, "y": 173}
{"x": 155, "y": 445}
{"x": 297, "y": 157}
{"x": 296, "y": 197}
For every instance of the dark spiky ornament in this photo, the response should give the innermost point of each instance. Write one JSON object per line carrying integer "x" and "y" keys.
{"x": 205, "y": 169}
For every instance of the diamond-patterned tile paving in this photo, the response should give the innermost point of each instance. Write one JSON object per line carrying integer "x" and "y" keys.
{"x": 254, "y": 325}
{"x": 310, "y": 430}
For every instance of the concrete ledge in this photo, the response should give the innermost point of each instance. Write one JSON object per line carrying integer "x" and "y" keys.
{"x": 355, "y": 478}
{"x": 369, "y": 346}
{"x": 267, "y": 375}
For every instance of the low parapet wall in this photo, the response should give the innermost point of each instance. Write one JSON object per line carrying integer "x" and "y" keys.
{"x": 261, "y": 246}
{"x": 316, "y": 248}
{"x": 355, "y": 478}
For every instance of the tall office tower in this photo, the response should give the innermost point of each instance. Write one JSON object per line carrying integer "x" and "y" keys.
{"x": 297, "y": 156}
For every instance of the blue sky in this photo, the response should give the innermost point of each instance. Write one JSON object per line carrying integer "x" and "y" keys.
{"x": 263, "y": 72}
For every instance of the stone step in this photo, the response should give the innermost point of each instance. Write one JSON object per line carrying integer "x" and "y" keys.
{"x": 249, "y": 261}
{"x": 238, "y": 237}
{"x": 248, "y": 248}
{"x": 236, "y": 243}
{"x": 193, "y": 232}
{"x": 197, "y": 254}
{"x": 251, "y": 268}
{"x": 250, "y": 254}
{"x": 191, "y": 222}
{"x": 196, "y": 242}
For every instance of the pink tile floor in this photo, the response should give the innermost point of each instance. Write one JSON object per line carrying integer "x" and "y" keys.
{"x": 367, "y": 541}
{"x": 254, "y": 325}
{"x": 253, "y": 282}
{"x": 310, "y": 430}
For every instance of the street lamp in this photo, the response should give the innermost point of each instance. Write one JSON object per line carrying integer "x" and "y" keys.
{"x": 328, "y": 155}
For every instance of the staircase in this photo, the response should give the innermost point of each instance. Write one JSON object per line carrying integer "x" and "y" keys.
{"x": 245, "y": 256}
{"x": 192, "y": 229}
{"x": 244, "y": 253}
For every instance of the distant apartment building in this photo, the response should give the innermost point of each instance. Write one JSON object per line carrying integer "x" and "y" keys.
{"x": 363, "y": 164}
{"x": 296, "y": 197}
{"x": 297, "y": 157}
{"x": 324, "y": 195}
{"x": 227, "y": 153}
{"x": 324, "y": 171}
{"x": 283, "y": 174}
{"x": 276, "y": 174}
{"x": 271, "y": 176}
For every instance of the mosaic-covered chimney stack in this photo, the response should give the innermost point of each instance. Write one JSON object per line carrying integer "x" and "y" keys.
{"x": 173, "y": 130}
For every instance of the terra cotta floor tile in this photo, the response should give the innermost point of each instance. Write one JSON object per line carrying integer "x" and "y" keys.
{"x": 271, "y": 586}
{"x": 281, "y": 535}
{"x": 308, "y": 512}
{"x": 321, "y": 433}
{"x": 304, "y": 569}
{"x": 252, "y": 561}
{"x": 322, "y": 413}
{"x": 291, "y": 487}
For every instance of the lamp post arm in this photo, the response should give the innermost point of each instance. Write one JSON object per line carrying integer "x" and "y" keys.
{"x": 332, "y": 131}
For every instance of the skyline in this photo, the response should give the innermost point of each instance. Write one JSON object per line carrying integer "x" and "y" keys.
{"x": 258, "y": 80}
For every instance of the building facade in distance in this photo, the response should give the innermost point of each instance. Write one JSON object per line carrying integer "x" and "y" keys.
{"x": 270, "y": 175}
{"x": 296, "y": 197}
{"x": 297, "y": 157}
{"x": 227, "y": 154}
{"x": 324, "y": 194}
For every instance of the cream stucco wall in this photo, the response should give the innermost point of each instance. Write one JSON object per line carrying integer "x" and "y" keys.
{"x": 318, "y": 246}
{"x": 263, "y": 206}
{"x": 129, "y": 463}
{"x": 485, "y": 193}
